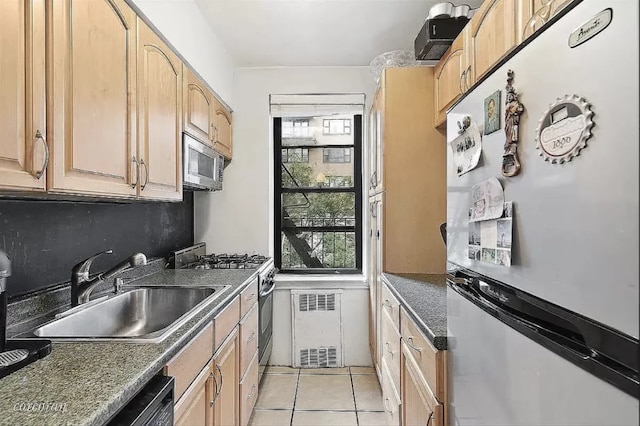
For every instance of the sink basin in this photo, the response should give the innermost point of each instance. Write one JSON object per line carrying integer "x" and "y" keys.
{"x": 147, "y": 314}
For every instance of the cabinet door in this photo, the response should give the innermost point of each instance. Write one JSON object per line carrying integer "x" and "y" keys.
{"x": 377, "y": 140}
{"x": 193, "y": 408}
{"x": 492, "y": 35}
{"x": 379, "y": 269}
{"x": 198, "y": 108}
{"x": 22, "y": 95}
{"x": 449, "y": 78}
{"x": 159, "y": 117}
{"x": 226, "y": 372}
{"x": 419, "y": 406}
{"x": 373, "y": 283}
{"x": 91, "y": 97}
{"x": 223, "y": 143}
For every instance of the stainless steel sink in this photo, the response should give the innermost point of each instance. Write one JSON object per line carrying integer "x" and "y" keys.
{"x": 146, "y": 314}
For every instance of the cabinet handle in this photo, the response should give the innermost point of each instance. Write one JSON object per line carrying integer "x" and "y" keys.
{"x": 460, "y": 84}
{"x": 216, "y": 393}
{"x": 387, "y": 304}
{"x": 429, "y": 419}
{"x": 253, "y": 390}
{"x": 221, "y": 378}
{"x": 215, "y": 133}
{"x": 388, "y": 349}
{"x": 135, "y": 161}
{"x": 253, "y": 336}
{"x": 467, "y": 73}
{"x": 412, "y": 346}
{"x": 40, "y": 172}
{"x": 378, "y": 234}
{"x": 386, "y": 405}
{"x": 146, "y": 174}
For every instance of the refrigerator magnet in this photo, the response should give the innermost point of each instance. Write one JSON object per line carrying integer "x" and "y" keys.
{"x": 513, "y": 109}
{"x": 564, "y": 129}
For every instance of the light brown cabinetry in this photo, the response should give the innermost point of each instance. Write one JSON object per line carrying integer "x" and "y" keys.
{"x": 22, "y": 96}
{"x": 492, "y": 34}
{"x": 222, "y": 141}
{"x": 449, "y": 77}
{"x": 159, "y": 117}
{"x": 198, "y": 107}
{"x": 413, "y": 161}
{"x": 192, "y": 408}
{"x": 92, "y": 97}
{"x": 225, "y": 403}
{"x": 423, "y": 375}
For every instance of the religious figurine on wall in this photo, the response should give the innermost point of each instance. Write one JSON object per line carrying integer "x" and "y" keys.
{"x": 513, "y": 109}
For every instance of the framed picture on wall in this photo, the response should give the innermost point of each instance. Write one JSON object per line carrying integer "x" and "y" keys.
{"x": 492, "y": 113}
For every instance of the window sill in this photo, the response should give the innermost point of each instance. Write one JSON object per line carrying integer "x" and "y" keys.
{"x": 316, "y": 281}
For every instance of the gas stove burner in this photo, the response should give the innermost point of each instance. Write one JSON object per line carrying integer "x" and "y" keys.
{"x": 228, "y": 261}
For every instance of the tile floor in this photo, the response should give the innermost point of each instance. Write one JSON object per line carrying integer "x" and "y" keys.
{"x": 348, "y": 396}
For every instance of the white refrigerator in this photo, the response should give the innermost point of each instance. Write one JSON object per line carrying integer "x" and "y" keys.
{"x": 553, "y": 339}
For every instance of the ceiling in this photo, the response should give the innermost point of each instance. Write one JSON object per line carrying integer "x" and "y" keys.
{"x": 271, "y": 33}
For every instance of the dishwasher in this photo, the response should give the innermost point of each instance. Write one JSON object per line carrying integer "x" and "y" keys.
{"x": 152, "y": 406}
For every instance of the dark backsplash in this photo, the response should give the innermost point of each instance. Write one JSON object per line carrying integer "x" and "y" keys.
{"x": 44, "y": 239}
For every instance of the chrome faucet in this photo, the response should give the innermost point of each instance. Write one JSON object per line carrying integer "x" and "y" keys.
{"x": 82, "y": 286}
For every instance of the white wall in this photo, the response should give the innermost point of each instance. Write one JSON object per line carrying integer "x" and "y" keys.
{"x": 240, "y": 217}
{"x": 182, "y": 23}
{"x": 355, "y": 318}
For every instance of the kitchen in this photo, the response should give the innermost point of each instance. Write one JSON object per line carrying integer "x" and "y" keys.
{"x": 220, "y": 80}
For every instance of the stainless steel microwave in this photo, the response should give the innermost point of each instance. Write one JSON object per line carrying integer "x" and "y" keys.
{"x": 202, "y": 167}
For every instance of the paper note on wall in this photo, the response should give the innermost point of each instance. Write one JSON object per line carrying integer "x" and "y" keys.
{"x": 490, "y": 240}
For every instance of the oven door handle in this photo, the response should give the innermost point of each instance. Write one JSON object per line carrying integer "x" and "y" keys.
{"x": 268, "y": 292}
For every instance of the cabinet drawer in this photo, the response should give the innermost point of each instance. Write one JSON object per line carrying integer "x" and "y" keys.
{"x": 390, "y": 304}
{"x": 390, "y": 398}
{"x": 248, "y": 297}
{"x": 429, "y": 360}
{"x": 249, "y": 391}
{"x": 185, "y": 366}
{"x": 391, "y": 348}
{"x": 248, "y": 338}
{"x": 225, "y": 321}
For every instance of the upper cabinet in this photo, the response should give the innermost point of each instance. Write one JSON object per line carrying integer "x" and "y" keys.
{"x": 110, "y": 122}
{"x": 492, "y": 34}
{"x": 92, "y": 96}
{"x": 198, "y": 107}
{"x": 23, "y": 159}
{"x": 159, "y": 117}
{"x": 222, "y": 129}
{"x": 449, "y": 77}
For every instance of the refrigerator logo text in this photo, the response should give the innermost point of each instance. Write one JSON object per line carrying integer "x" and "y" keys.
{"x": 590, "y": 28}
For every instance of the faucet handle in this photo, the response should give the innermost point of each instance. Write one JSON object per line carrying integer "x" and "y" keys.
{"x": 82, "y": 269}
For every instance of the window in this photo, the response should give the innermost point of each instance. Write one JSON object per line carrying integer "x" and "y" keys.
{"x": 295, "y": 128}
{"x": 336, "y": 127}
{"x": 339, "y": 181}
{"x": 295, "y": 155}
{"x": 336, "y": 155}
{"x": 318, "y": 213}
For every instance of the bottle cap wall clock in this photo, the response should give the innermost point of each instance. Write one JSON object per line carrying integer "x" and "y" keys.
{"x": 564, "y": 129}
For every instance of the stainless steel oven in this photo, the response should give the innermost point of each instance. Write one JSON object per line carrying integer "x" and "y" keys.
{"x": 267, "y": 286}
{"x": 202, "y": 167}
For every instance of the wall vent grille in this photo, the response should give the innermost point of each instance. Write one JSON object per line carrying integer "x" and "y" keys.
{"x": 317, "y": 302}
{"x": 319, "y": 357}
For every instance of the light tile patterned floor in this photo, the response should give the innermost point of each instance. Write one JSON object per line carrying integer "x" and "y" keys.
{"x": 349, "y": 396}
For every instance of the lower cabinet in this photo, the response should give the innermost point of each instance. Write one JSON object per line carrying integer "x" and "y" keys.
{"x": 225, "y": 402}
{"x": 213, "y": 385}
{"x": 418, "y": 403}
{"x": 193, "y": 407}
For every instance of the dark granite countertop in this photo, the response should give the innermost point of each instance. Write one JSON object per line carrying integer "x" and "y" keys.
{"x": 86, "y": 383}
{"x": 425, "y": 299}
